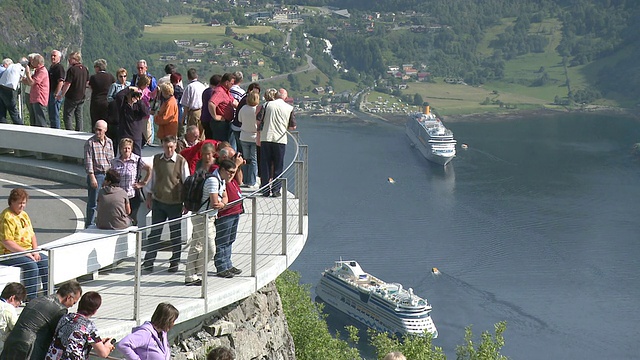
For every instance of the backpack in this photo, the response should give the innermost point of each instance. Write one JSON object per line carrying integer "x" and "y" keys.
{"x": 192, "y": 189}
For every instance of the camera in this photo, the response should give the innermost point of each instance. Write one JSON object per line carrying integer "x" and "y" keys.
{"x": 113, "y": 341}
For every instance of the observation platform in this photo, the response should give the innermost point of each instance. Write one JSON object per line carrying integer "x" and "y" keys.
{"x": 271, "y": 234}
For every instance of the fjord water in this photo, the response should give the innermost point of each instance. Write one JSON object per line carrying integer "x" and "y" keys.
{"x": 535, "y": 224}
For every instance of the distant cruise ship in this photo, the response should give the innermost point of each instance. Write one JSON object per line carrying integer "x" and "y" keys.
{"x": 431, "y": 137}
{"x": 379, "y": 305}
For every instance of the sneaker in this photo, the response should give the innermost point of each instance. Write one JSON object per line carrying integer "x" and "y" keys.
{"x": 225, "y": 274}
{"x": 197, "y": 282}
{"x": 276, "y": 194}
{"x": 173, "y": 267}
{"x": 235, "y": 271}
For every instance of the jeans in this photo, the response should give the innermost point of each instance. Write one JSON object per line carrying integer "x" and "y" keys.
{"x": 73, "y": 108}
{"x": 92, "y": 199}
{"x": 31, "y": 270}
{"x": 54, "y": 111}
{"x": 271, "y": 154}
{"x": 37, "y": 112}
{"x": 250, "y": 153}
{"x": 234, "y": 140}
{"x": 226, "y": 230}
{"x": 196, "y": 263}
{"x": 162, "y": 212}
{"x": 8, "y": 103}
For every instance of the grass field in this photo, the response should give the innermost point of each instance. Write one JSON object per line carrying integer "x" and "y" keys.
{"x": 179, "y": 27}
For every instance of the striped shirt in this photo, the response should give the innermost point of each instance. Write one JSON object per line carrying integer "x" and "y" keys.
{"x": 128, "y": 170}
{"x": 98, "y": 156}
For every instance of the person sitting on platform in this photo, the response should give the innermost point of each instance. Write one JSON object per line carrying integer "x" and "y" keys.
{"x": 191, "y": 138}
{"x": 113, "y": 204}
{"x": 18, "y": 236}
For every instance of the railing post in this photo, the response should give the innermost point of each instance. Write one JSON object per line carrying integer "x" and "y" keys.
{"x": 300, "y": 194}
{"x": 254, "y": 234}
{"x": 284, "y": 215}
{"x": 136, "y": 279}
{"x": 305, "y": 177}
{"x": 51, "y": 285}
{"x": 205, "y": 262}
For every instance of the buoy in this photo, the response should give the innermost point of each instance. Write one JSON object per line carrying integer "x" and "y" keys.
{"x": 435, "y": 271}
{"x": 464, "y": 146}
{"x": 390, "y": 180}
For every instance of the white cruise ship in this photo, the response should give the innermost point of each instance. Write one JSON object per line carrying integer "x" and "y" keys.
{"x": 427, "y": 133}
{"x": 379, "y": 305}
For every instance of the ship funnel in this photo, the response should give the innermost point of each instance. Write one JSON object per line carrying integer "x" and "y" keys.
{"x": 427, "y": 109}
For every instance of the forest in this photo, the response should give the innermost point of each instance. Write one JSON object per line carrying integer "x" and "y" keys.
{"x": 599, "y": 34}
{"x": 591, "y": 30}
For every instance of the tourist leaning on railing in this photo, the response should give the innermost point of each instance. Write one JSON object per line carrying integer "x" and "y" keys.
{"x": 32, "y": 335}
{"x": 149, "y": 341}
{"x": 76, "y": 335}
{"x": 18, "y": 236}
{"x": 12, "y": 296}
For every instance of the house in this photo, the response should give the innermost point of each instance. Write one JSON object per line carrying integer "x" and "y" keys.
{"x": 424, "y": 76}
{"x": 182, "y": 42}
{"x": 227, "y": 45}
{"x": 254, "y": 77}
{"x": 406, "y": 67}
{"x": 260, "y": 62}
{"x": 318, "y": 90}
{"x": 214, "y": 22}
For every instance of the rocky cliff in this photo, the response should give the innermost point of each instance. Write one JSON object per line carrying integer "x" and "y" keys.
{"x": 255, "y": 328}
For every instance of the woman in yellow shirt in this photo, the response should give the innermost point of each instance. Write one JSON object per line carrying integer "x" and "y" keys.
{"x": 17, "y": 235}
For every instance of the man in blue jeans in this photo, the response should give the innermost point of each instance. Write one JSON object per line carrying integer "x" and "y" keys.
{"x": 164, "y": 198}
{"x": 98, "y": 153}
{"x": 56, "y": 79}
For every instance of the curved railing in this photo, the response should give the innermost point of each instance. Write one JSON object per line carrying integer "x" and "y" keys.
{"x": 270, "y": 236}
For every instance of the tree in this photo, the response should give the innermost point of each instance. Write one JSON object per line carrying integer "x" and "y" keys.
{"x": 487, "y": 349}
{"x": 228, "y": 31}
{"x": 417, "y": 99}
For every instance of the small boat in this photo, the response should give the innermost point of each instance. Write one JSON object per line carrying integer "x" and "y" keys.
{"x": 435, "y": 271}
{"x": 386, "y": 307}
{"x": 464, "y": 146}
{"x": 431, "y": 137}
{"x": 390, "y": 180}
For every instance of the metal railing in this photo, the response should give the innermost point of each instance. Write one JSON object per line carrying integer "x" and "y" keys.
{"x": 270, "y": 235}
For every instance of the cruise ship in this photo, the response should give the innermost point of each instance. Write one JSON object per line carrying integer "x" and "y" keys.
{"x": 386, "y": 307}
{"x": 427, "y": 133}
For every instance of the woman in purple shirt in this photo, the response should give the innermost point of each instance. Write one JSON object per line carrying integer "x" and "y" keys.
{"x": 149, "y": 341}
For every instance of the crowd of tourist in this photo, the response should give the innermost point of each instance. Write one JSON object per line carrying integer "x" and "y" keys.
{"x": 45, "y": 330}
{"x": 219, "y": 132}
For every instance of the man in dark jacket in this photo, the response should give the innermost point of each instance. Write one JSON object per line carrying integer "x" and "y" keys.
{"x": 32, "y": 335}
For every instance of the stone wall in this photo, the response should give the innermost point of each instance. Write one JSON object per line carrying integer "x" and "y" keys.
{"x": 255, "y": 328}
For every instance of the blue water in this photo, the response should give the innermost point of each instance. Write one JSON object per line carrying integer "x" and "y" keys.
{"x": 535, "y": 224}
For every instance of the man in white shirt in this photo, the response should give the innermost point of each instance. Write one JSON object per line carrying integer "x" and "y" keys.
{"x": 278, "y": 119}
{"x": 9, "y": 81}
{"x": 192, "y": 101}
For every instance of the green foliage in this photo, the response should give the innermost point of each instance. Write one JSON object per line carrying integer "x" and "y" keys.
{"x": 487, "y": 349}
{"x": 306, "y": 323}
{"x": 411, "y": 346}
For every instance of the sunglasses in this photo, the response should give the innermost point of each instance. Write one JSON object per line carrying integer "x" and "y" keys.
{"x": 123, "y": 76}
